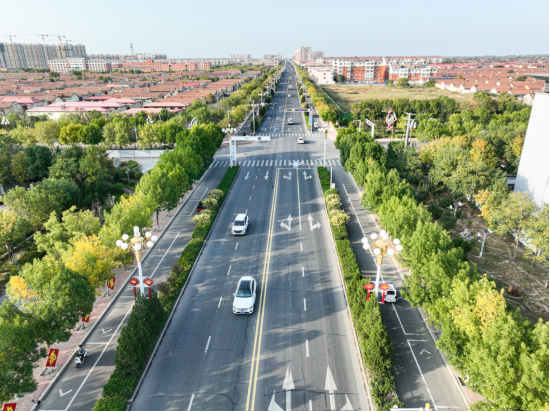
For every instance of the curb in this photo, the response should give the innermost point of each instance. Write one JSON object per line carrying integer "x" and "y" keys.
{"x": 115, "y": 298}
{"x": 169, "y": 320}
{"x": 357, "y": 347}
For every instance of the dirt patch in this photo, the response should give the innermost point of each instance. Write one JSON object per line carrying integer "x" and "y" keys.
{"x": 525, "y": 284}
{"x": 345, "y": 96}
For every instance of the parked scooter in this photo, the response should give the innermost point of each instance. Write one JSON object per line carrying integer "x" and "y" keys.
{"x": 80, "y": 355}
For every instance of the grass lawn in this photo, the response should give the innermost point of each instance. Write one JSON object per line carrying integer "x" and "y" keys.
{"x": 345, "y": 96}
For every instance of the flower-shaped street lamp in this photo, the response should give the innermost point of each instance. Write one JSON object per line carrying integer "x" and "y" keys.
{"x": 138, "y": 244}
{"x": 455, "y": 206}
{"x": 149, "y": 120}
{"x": 380, "y": 249}
{"x": 232, "y": 145}
{"x": 5, "y": 122}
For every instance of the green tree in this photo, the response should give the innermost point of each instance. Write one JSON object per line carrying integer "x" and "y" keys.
{"x": 54, "y": 296}
{"x": 91, "y": 168}
{"x": 69, "y": 134}
{"x": 90, "y": 134}
{"x": 24, "y": 135}
{"x": 147, "y": 136}
{"x": 47, "y": 133}
{"x": 536, "y": 231}
{"x": 341, "y": 78}
{"x": 12, "y": 230}
{"x": 116, "y": 133}
{"x": 203, "y": 218}
{"x": 403, "y": 82}
{"x": 162, "y": 192}
{"x": 520, "y": 79}
{"x": 513, "y": 215}
{"x": 20, "y": 168}
{"x": 39, "y": 159}
{"x": 209, "y": 98}
{"x": 73, "y": 225}
{"x": 379, "y": 187}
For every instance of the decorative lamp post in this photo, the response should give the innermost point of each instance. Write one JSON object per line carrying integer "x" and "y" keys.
{"x": 149, "y": 120}
{"x": 325, "y": 131}
{"x": 138, "y": 244}
{"x": 455, "y": 206}
{"x": 5, "y": 122}
{"x": 232, "y": 145}
{"x": 381, "y": 249}
{"x": 486, "y": 232}
{"x": 359, "y": 124}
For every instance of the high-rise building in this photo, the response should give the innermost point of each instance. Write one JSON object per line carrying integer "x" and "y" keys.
{"x": 304, "y": 54}
{"x": 36, "y": 56}
{"x": 276, "y": 56}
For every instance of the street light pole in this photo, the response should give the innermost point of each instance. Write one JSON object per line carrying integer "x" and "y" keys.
{"x": 359, "y": 124}
{"x": 381, "y": 249}
{"x": 455, "y": 206}
{"x": 232, "y": 145}
{"x": 486, "y": 232}
{"x": 138, "y": 244}
{"x": 325, "y": 130}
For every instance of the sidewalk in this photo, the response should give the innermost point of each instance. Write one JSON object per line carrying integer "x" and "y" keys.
{"x": 66, "y": 349}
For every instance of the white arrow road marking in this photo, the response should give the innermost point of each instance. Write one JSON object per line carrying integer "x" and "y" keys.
{"x": 191, "y": 402}
{"x": 306, "y": 176}
{"x": 285, "y": 226}
{"x": 246, "y": 177}
{"x": 311, "y": 225}
{"x": 424, "y": 350}
{"x": 273, "y": 405}
{"x": 266, "y": 175}
{"x": 288, "y": 386}
{"x": 330, "y": 386}
{"x": 106, "y": 331}
{"x": 347, "y": 406}
{"x": 289, "y": 176}
{"x": 63, "y": 394}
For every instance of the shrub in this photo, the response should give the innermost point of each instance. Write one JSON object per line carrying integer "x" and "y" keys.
{"x": 111, "y": 403}
{"x": 447, "y": 220}
{"x": 117, "y": 188}
{"x": 463, "y": 244}
{"x": 434, "y": 210}
{"x": 446, "y": 201}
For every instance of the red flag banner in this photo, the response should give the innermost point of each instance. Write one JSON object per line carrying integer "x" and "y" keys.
{"x": 9, "y": 406}
{"x": 86, "y": 318}
{"x": 51, "y": 360}
{"x": 111, "y": 283}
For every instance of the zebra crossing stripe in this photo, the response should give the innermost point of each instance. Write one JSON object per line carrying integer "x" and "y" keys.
{"x": 271, "y": 164}
{"x": 285, "y": 162}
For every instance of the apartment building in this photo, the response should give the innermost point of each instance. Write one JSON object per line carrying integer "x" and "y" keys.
{"x": 36, "y": 56}
{"x": 378, "y": 69}
{"x": 137, "y": 56}
{"x": 321, "y": 75}
{"x": 303, "y": 54}
{"x": 239, "y": 57}
{"x": 164, "y": 66}
{"x": 276, "y": 56}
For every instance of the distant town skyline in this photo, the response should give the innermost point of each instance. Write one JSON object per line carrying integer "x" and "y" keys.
{"x": 219, "y": 29}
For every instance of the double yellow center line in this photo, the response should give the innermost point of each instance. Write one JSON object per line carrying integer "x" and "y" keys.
{"x": 260, "y": 320}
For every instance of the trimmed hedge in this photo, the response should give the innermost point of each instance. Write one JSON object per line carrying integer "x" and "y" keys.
{"x": 138, "y": 338}
{"x": 376, "y": 346}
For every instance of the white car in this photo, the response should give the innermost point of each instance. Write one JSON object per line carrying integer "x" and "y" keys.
{"x": 316, "y": 125}
{"x": 290, "y": 121}
{"x": 289, "y": 95}
{"x": 244, "y": 296}
{"x": 301, "y": 140}
{"x": 240, "y": 225}
{"x": 391, "y": 294}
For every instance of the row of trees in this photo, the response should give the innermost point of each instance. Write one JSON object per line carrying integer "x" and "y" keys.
{"x": 327, "y": 110}
{"x": 48, "y": 296}
{"x": 504, "y": 356}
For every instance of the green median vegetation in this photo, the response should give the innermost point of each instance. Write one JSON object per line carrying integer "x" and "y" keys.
{"x": 148, "y": 317}
{"x": 376, "y": 346}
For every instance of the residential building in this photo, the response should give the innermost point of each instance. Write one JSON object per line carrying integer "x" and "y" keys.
{"x": 240, "y": 57}
{"x": 36, "y": 56}
{"x": 303, "y": 54}
{"x": 276, "y": 56}
{"x": 321, "y": 75}
{"x": 533, "y": 171}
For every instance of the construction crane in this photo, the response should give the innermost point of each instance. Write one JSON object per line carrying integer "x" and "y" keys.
{"x": 61, "y": 45}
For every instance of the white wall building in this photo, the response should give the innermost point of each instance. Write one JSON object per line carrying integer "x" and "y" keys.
{"x": 533, "y": 171}
{"x": 321, "y": 75}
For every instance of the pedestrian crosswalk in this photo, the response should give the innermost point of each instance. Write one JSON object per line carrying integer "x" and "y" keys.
{"x": 278, "y": 162}
{"x": 306, "y": 134}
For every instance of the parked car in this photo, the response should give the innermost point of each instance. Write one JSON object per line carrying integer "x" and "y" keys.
{"x": 245, "y": 296}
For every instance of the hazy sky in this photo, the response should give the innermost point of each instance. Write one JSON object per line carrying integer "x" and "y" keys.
{"x": 347, "y": 28}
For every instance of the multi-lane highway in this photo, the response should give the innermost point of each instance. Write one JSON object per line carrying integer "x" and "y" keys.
{"x": 296, "y": 352}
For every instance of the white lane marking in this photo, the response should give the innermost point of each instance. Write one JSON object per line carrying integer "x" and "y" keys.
{"x": 271, "y": 163}
{"x": 285, "y": 163}
{"x": 310, "y": 405}
{"x": 253, "y": 162}
{"x": 307, "y": 348}
{"x": 61, "y": 394}
{"x": 347, "y": 406}
{"x": 219, "y": 304}
{"x": 98, "y": 359}
{"x": 236, "y": 245}
{"x": 152, "y": 274}
{"x": 262, "y": 163}
{"x": 207, "y": 344}
{"x": 303, "y": 272}
{"x": 105, "y": 331}
{"x": 330, "y": 386}
{"x": 250, "y": 198}
{"x": 301, "y": 249}
{"x": 246, "y": 211}
{"x": 191, "y": 402}
{"x": 305, "y": 309}
{"x": 421, "y": 374}
{"x": 299, "y": 211}
{"x": 229, "y": 270}
{"x": 254, "y": 186}
{"x": 424, "y": 350}
{"x": 399, "y": 319}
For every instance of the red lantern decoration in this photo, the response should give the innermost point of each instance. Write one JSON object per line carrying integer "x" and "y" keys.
{"x": 369, "y": 286}
{"x": 384, "y": 286}
{"x": 134, "y": 282}
{"x": 149, "y": 283}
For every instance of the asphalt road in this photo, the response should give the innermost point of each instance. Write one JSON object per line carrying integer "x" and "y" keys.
{"x": 78, "y": 389}
{"x": 296, "y": 351}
